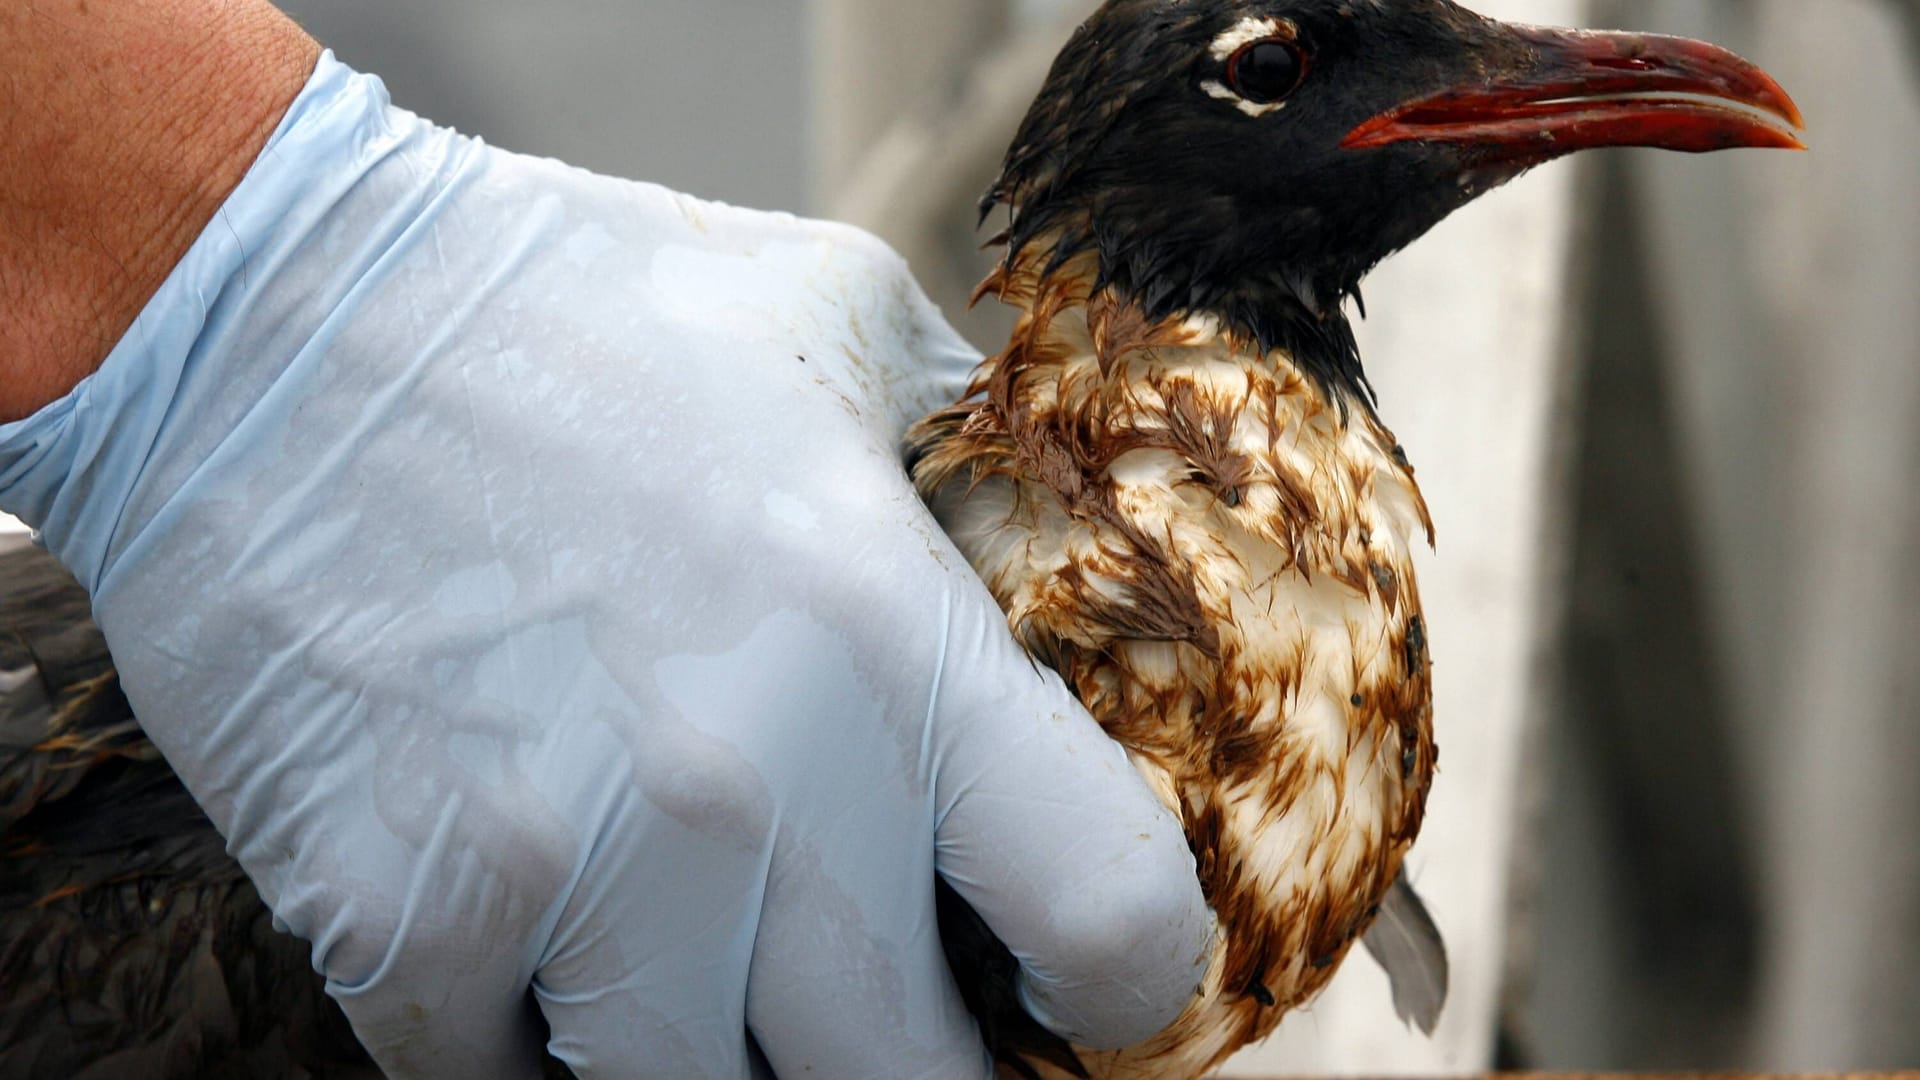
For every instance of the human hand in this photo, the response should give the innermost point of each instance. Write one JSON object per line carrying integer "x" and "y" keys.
{"x": 518, "y": 566}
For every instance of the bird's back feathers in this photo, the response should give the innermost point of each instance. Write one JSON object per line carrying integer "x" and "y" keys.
{"x": 130, "y": 942}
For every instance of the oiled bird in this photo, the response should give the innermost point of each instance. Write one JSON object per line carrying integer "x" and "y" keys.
{"x": 1175, "y": 478}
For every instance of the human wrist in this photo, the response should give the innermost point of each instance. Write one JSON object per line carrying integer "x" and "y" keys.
{"x": 93, "y": 469}
{"x": 106, "y": 179}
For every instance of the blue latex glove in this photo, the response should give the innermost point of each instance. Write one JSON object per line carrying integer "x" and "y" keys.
{"x": 518, "y": 566}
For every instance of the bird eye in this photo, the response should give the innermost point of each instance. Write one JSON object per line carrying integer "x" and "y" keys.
{"x": 1263, "y": 72}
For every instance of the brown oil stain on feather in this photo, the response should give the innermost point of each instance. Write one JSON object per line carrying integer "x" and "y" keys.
{"x": 1182, "y": 525}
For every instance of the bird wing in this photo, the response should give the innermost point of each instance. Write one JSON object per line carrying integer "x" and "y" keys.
{"x": 130, "y": 942}
{"x": 1405, "y": 941}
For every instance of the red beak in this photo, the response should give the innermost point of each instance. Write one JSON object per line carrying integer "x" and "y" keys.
{"x": 1585, "y": 89}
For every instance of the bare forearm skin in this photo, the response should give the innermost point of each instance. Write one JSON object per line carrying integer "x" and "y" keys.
{"x": 124, "y": 124}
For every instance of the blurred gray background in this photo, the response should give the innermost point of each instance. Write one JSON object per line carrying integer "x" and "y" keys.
{"x": 1707, "y": 854}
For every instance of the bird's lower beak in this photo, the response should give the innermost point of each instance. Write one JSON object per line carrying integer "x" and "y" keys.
{"x": 1580, "y": 89}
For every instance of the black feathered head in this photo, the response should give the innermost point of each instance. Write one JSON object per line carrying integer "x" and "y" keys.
{"x": 1254, "y": 159}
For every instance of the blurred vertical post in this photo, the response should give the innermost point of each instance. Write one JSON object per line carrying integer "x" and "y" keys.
{"x": 875, "y": 60}
{"x": 1791, "y": 315}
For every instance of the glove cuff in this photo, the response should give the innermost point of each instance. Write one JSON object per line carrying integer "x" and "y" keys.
{"x": 74, "y": 470}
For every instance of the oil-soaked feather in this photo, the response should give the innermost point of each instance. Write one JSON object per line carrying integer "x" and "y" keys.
{"x": 985, "y": 970}
{"x": 1405, "y": 941}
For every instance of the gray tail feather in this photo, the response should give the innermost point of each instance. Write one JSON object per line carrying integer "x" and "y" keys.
{"x": 1404, "y": 941}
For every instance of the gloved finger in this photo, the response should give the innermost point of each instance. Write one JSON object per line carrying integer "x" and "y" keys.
{"x": 1050, "y": 833}
{"x": 912, "y": 361}
{"x": 848, "y": 977}
{"x": 642, "y": 973}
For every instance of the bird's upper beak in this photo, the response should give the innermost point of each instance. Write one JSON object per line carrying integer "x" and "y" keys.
{"x": 1573, "y": 90}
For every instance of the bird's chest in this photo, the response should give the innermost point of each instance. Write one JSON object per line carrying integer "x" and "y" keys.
{"x": 1218, "y": 560}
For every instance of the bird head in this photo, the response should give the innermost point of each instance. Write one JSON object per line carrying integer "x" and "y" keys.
{"x": 1252, "y": 160}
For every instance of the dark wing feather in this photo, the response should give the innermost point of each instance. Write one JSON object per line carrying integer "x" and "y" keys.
{"x": 985, "y": 970}
{"x": 1405, "y": 941}
{"x": 130, "y": 942}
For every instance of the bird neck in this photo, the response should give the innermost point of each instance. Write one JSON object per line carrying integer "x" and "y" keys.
{"x": 1069, "y": 314}
{"x": 1288, "y": 318}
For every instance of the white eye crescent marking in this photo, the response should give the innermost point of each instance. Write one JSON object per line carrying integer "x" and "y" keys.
{"x": 1249, "y": 30}
{"x": 1214, "y": 88}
